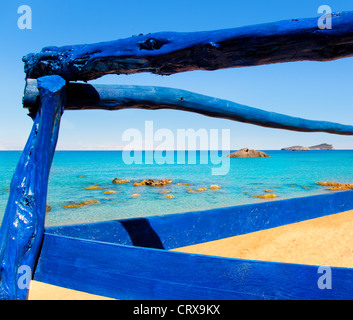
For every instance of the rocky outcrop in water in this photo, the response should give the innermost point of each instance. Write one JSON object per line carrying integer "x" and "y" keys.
{"x": 153, "y": 183}
{"x": 248, "y": 153}
{"x": 336, "y": 186}
{"x": 119, "y": 180}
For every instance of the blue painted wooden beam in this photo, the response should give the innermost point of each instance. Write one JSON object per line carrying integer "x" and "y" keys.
{"x": 82, "y": 96}
{"x": 22, "y": 227}
{"x": 127, "y": 272}
{"x": 167, "y": 53}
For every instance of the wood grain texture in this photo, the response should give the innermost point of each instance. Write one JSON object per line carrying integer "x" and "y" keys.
{"x": 82, "y": 96}
{"x": 22, "y": 227}
{"x": 167, "y": 53}
{"x": 126, "y": 272}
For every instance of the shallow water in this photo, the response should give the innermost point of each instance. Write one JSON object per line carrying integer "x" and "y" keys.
{"x": 288, "y": 174}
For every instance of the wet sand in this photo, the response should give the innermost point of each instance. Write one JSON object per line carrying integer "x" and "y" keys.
{"x": 325, "y": 241}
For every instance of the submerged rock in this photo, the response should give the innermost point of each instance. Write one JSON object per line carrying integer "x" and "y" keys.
{"x": 169, "y": 196}
{"x": 47, "y": 208}
{"x": 341, "y": 188}
{"x": 191, "y": 190}
{"x": 111, "y": 191}
{"x": 153, "y": 183}
{"x": 135, "y": 195}
{"x": 73, "y": 205}
{"x": 267, "y": 196}
{"x": 336, "y": 186}
{"x": 81, "y": 204}
{"x": 94, "y": 187}
{"x": 328, "y": 184}
{"x": 248, "y": 153}
{"x": 215, "y": 187}
{"x": 91, "y": 201}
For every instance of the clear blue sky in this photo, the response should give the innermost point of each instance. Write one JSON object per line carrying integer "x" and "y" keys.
{"x": 313, "y": 90}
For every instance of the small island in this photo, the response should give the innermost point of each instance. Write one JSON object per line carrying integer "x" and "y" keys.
{"x": 248, "y": 153}
{"x": 323, "y": 146}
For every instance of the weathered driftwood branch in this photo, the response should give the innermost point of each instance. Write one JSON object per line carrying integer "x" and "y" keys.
{"x": 167, "y": 53}
{"x": 22, "y": 227}
{"x": 82, "y": 96}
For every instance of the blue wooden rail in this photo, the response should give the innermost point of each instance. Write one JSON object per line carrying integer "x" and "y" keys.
{"x": 127, "y": 272}
{"x": 129, "y": 259}
{"x": 115, "y": 97}
{"x": 162, "y": 53}
{"x": 171, "y": 52}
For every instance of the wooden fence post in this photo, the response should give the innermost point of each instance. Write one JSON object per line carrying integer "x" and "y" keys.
{"x": 22, "y": 227}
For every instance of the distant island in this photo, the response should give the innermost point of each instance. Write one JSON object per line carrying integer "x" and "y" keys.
{"x": 323, "y": 146}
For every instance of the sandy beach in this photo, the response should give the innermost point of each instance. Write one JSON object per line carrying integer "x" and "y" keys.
{"x": 43, "y": 291}
{"x": 325, "y": 241}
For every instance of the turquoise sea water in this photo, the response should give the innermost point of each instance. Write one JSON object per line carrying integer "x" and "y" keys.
{"x": 289, "y": 174}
